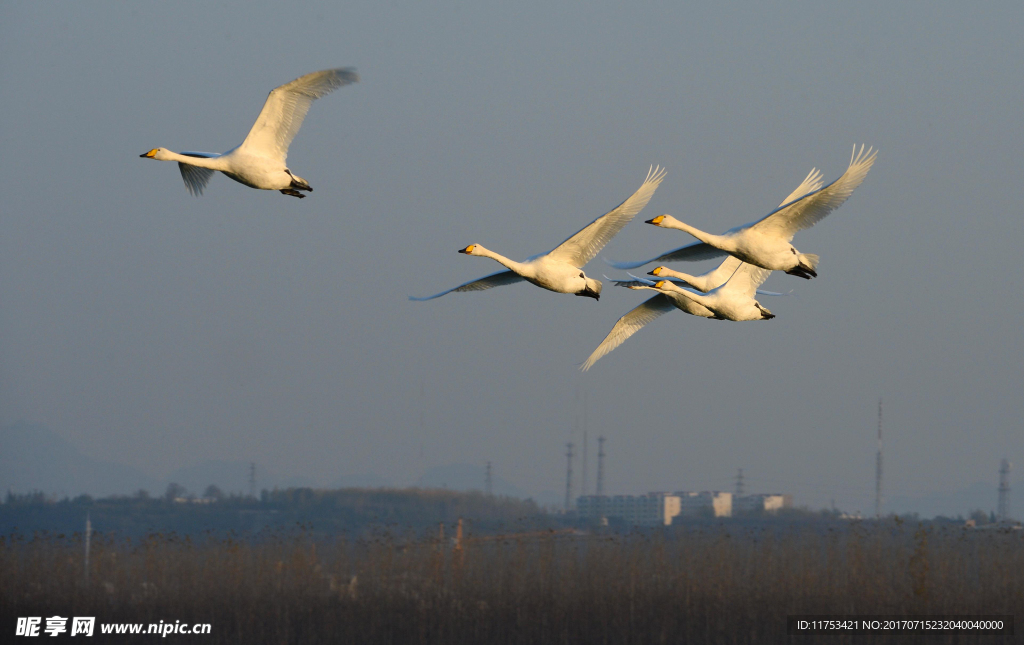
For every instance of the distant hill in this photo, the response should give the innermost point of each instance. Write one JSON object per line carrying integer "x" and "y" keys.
{"x": 35, "y": 458}
{"x": 232, "y": 477}
{"x": 467, "y": 477}
{"x": 320, "y": 512}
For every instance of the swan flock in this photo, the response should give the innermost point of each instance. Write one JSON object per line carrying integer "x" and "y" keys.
{"x": 749, "y": 253}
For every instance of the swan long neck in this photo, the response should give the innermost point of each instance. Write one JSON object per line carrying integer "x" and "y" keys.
{"x": 671, "y": 222}
{"x": 516, "y": 267}
{"x": 698, "y": 282}
{"x": 213, "y": 163}
{"x": 668, "y": 287}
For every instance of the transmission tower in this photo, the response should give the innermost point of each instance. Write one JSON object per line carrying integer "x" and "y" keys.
{"x": 600, "y": 465}
{"x": 252, "y": 479}
{"x": 878, "y": 465}
{"x": 1004, "y": 490}
{"x": 739, "y": 483}
{"x": 487, "y": 480}
{"x": 568, "y": 476}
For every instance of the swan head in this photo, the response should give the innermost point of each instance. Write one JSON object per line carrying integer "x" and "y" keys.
{"x": 155, "y": 153}
{"x": 659, "y": 271}
{"x": 667, "y": 286}
{"x": 664, "y": 221}
{"x": 591, "y": 288}
{"x": 472, "y": 249}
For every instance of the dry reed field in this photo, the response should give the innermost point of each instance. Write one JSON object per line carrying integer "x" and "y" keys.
{"x": 698, "y": 584}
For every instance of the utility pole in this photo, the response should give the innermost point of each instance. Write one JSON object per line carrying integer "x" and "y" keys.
{"x": 88, "y": 536}
{"x": 487, "y": 480}
{"x": 1004, "y": 490}
{"x": 878, "y": 465}
{"x": 568, "y": 476}
{"x": 252, "y": 479}
{"x": 600, "y": 465}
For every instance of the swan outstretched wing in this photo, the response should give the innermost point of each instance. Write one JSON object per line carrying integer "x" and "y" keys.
{"x": 583, "y": 246}
{"x": 628, "y": 325}
{"x": 811, "y": 183}
{"x": 746, "y": 280}
{"x": 725, "y": 270}
{"x": 487, "y": 282}
{"x": 195, "y": 177}
{"x": 287, "y": 106}
{"x": 807, "y": 211}
{"x": 689, "y": 253}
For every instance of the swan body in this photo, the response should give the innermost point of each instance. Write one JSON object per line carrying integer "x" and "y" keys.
{"x": 670, "y": 297}
{"x": 767, "y": 242}
{"x": 701, "y": 251}
{"x": 259, "y": 161}
{"x": 734, "y": 300}
{"x": 561, "y": 270}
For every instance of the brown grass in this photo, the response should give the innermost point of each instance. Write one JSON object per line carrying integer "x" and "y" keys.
{"x": 712, "y": 584}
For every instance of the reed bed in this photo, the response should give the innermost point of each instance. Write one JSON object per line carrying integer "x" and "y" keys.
{"x": 702, "y": 584}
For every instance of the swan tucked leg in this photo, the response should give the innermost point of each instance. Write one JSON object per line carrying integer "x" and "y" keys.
{"x": 298, "y": 183}
{"x": 765, "y": 314}
{"x": 293, "y": 193}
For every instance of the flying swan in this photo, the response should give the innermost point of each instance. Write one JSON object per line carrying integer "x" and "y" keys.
{"x": 730, "y": 296}
{"x": 767, "y": 242}
{"x": 561, "y": 269}
{"x": 259, "y": 162}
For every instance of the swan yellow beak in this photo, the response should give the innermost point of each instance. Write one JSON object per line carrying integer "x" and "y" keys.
{"x": 468, "y": 249}
{"x": 656, "y": 221}
{"x": 150, "y": 154}
{"x": 659, "y": 284}
{"x": 658, "y": 271}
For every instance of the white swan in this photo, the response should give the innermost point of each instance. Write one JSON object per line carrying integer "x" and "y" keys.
{"x": 560, "y": 270}
{"x": 701, "y": 251}
{"x": 731, "y": 298}
{"x": 766, "y": 242}
{"x": 259, "y": 162}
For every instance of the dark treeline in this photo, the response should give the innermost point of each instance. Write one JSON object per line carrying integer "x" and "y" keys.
{"x": 708, "y": 584}
{"x": 321, "y": 512}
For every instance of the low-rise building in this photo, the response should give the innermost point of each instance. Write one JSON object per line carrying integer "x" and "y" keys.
{"x": 652, "y": 509}
{"x": 762, "y": 503}
{"x": 706, "y": 503}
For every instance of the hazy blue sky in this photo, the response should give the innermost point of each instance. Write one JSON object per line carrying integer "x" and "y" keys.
{"x": 157, "y": 329}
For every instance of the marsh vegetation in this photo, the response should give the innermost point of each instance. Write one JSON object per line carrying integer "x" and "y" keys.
{"x": 698, "y": 584}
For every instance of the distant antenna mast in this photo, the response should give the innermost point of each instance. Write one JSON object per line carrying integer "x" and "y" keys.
{"x": 487, "y": 480}
{"x": 252, "y": 479}
{"x": 583, "y": 488}
{"x": 568, "y": 476}
{"x": 600, "y": 465}
{"x": 878, "y": 465}
{"x": 1004, "y": 490}
{"x": 739, "y": 483}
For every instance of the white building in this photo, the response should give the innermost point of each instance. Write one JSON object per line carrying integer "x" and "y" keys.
{"x": 652, "y": 509}
{"x": 762, "y": 503}
{"x": 707, "y": 503}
